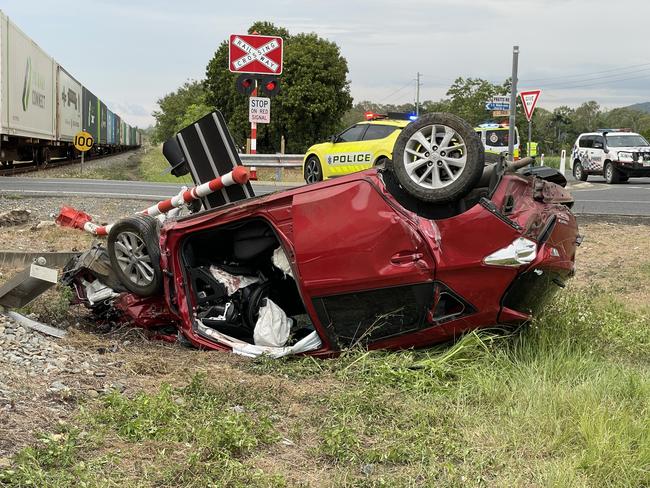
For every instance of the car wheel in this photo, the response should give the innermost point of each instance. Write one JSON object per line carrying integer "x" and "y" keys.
{"x": 313, "y": 170}
{"x": 611, "y": 174}
{"x": 438, "y": 158}
{"x": 134, "y": 251}
{"x": 579, "y": 172}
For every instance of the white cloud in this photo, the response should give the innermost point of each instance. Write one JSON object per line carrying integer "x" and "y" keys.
{"x": 135, "y": 52}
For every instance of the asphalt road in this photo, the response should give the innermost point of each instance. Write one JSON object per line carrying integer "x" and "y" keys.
{"x": 103, "y": 188}
{"x": 595, "y": 197}
{"x": 592, "y": 197}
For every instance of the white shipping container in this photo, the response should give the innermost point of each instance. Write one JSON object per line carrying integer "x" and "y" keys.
{"x": 68, "y": 102}
{"x": 28, "y": 79}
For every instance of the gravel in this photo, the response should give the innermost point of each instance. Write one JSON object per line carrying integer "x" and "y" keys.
{"x": 47, "y": 208}
{"x": 34, "y": 352}
{"x": 90, "y": 166}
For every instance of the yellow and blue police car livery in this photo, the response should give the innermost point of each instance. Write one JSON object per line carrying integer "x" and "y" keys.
{"x": 359, "y": 147}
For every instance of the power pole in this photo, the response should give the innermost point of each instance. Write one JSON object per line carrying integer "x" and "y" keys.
{"x": 417, "y": 94}
{"x": 513, "y": 103}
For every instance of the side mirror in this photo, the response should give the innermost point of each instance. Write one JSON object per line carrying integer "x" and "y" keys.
{"x": 333, "y": 139}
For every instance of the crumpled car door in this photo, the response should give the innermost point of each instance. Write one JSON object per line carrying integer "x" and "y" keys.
{"x": 366, "y": 271}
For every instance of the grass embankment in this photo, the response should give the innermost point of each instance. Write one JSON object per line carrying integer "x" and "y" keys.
{"x": 564, "y": 402}
{"x": 154, "y": 167}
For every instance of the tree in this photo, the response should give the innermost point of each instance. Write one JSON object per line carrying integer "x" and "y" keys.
{"x": 314, "y": 92}
{"x": 173, "y": 107}
{"x": 468, "y": 97}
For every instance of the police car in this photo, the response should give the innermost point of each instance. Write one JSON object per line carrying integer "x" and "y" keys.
{"x": 365, "y": 144}
{"x": 495, "y": 140}
{"x": 616, "y": 154}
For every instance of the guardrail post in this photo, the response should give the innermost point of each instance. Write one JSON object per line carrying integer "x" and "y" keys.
{"x": 563, "y": 161}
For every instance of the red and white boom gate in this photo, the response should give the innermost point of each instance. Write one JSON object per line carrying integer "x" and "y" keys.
{"x": 69, "y": 217}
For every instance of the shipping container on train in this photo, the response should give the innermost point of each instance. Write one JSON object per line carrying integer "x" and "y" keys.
{"x": 42, "y": 106}
{"x": 69, "y": 106}
{"x": 103, "y": 125}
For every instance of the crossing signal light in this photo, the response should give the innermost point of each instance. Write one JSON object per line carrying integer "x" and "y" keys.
{"x": 267, "y": 85}
{"x": 245, "y": 84}
{"x": 270, "y": 85}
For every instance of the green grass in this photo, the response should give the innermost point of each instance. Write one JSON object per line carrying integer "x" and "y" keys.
{"x": 154, "y": 167}
{"x": 562, "y": 402}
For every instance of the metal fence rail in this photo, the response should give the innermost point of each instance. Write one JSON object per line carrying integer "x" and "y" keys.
{"x": 272, "y": 160}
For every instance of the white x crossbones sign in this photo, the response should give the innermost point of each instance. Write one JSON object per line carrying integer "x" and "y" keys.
{"x": 255, "y": 54}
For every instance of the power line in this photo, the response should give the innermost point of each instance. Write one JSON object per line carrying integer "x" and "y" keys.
{"x": 586, "y": 80}
{"x": 602, "y": 82}
{"x": 386, "y": 98}
{"x": 624, "y": 68}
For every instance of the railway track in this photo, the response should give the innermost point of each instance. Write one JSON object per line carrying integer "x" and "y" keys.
{"x": 30, "y": 166}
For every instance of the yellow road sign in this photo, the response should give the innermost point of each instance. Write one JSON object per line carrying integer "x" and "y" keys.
{"x": 83, "y": 141}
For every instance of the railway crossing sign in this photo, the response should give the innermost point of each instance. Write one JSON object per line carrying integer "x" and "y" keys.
{"x": 249, "y": 53}
{"x": 83, "y": 141}
{"x": 529, "y": 100}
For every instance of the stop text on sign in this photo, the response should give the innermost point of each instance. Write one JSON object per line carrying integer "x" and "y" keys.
{"x": 255, "y": 54}
{"x": 259, "y": 110}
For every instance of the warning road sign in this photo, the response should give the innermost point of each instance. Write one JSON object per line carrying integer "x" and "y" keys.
{"x": 83, "y": 141}
{"x": 529, "y": 100}
{"x": 255, "y": 54}
{"x": 259, "y": 110}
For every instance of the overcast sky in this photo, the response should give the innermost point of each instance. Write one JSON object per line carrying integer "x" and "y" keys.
{"x": 131, "y": 52}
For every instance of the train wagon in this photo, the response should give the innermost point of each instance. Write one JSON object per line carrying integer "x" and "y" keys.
{"x": 69, "y": 107}
{"x": 42, "y": 106}
{"x": 28, "y": 101}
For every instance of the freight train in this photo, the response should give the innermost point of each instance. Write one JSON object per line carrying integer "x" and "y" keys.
{"x": 42, "y": 106}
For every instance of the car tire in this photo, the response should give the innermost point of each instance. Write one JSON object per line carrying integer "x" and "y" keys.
{"x": 313, "y": 172}
{"x": 134, "y": 251}
{"x": 611, "y": 174}
{"x": 438, "y": 158}
{"x": 579, "y": 172}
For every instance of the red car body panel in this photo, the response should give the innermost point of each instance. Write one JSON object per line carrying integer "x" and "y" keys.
{"x": 350, "y": 234}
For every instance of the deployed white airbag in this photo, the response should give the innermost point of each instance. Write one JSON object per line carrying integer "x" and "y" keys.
{"x": 307, "y": 343}
{"x": 281, "y": 261}
{"x": 272, "y": 327}
{"x": 230, "y": 281}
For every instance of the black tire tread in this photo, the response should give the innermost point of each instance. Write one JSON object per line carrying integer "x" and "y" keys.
{"x": 148, "y": 228}
{"x": 309, "y": 159}
{"x": 583, "y": 175}
{"x": 465, "y": 183}
{"x": 616, "y": 175}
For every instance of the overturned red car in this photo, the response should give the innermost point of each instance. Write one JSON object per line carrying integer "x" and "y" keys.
{"x": 433, "y": 245}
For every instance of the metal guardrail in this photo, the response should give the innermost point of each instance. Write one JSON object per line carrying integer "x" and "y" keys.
{"x": 272, "y": 160}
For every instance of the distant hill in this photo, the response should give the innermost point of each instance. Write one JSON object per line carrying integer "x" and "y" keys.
{"x": 641, "y": 107}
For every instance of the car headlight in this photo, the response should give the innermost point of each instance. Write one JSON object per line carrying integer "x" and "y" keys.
{"x": 520, "y": 251}
{"x": 626, "y": 157}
